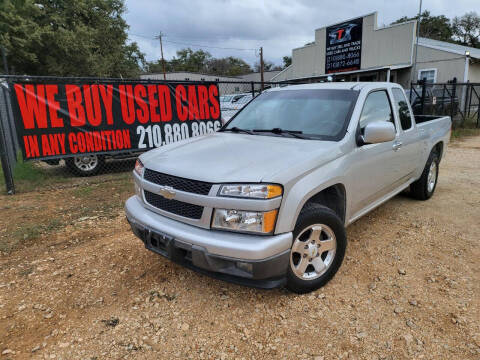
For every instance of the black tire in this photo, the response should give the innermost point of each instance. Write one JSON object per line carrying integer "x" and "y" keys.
{"x": 317, "y": 214}
{"x": 75, "y": 169}
{"x": 420, "y": 189}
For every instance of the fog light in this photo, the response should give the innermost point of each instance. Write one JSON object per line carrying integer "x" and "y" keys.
{"x": 247, "y": 267}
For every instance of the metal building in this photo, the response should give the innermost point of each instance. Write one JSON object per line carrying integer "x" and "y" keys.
{"x": 359, "y": 50}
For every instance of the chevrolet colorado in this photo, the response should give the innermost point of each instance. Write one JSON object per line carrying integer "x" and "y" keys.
{"x": 266, "y": 199}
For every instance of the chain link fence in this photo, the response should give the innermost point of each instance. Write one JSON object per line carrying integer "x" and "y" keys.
{"x": 460, "y": 101}
{"x": 113, "y": 159}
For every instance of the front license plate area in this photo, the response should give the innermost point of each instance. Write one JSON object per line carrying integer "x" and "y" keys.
{"x": 158, "y": 242}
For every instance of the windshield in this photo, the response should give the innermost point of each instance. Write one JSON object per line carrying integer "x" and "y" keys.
{"x": 320, "y": 113}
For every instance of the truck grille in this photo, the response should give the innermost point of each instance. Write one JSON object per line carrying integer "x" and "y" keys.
{"x": 178, "y": 183}
{"x": 174, "y": 206}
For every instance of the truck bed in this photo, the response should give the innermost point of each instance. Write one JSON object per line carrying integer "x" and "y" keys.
{"x": 424, "y": 118}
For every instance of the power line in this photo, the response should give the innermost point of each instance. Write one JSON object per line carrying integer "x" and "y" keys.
{"x": 143, "y": 36}
{"x": 208, "y": 46}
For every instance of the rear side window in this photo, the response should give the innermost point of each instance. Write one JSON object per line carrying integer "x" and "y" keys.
{"x": 402, "y": 108}
{"x": 376, "y": 108}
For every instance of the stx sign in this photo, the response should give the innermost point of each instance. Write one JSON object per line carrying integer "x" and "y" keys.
{"x": 344, "y": 46}
{"x": 55, "y": 120}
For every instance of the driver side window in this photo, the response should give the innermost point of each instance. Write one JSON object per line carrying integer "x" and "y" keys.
{"x": 376, "y": 108}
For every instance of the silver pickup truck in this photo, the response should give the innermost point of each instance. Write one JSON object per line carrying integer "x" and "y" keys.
{"x": 266, "y": 199}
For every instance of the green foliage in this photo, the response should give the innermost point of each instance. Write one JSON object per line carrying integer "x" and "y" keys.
{"x": 287, "y": 61}
{"x": 189, "y": 60}
{"x": 229, "y": 66}
{"x": 267, "y": 66}
{"x": 432, "y": 27}
{"x": 201, "y": 61}
{"x": 464, "y": 30}
{"x": 68, "y": 38}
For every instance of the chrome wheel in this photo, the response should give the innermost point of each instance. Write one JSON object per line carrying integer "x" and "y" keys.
{"x": 86, "y": 162}
{"x": 313, "y": 252}
{"x": 432, "y": 176}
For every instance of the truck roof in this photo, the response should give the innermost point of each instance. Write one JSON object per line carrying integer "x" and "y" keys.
{"x": 338, "y": 86}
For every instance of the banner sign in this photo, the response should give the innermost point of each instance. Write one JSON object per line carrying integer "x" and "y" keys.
{"x": 62, "y": 119}
{"x": 344, "y": 46}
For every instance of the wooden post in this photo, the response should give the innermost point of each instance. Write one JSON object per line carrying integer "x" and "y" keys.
{"x": 261, "y": 68}
{"x": 161, "y": 51}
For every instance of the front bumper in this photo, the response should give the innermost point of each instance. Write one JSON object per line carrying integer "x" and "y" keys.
{"x": 253, "y": 260}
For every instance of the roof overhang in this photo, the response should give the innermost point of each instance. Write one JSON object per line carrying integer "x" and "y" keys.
{"x": 379, "y": 68}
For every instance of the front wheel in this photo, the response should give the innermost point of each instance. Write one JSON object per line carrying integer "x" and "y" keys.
{"x": 318, "y": 249}
{"x": 85, "y": 165}
{"x": 423, "y": 188}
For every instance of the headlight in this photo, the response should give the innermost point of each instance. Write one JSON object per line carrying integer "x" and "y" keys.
{"x": 254, "y": 191}
{"x": 139, "y": 168}
{"x": 249, "y": 221}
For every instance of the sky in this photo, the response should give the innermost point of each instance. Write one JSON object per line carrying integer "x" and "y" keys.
{"x": 245, "y": 25}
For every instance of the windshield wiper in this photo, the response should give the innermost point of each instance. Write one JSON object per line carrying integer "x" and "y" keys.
{"x": 280, "y": 131}
{"x": 237, "y": 130}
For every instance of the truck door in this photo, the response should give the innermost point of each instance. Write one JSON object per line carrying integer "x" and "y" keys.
{"x": 372, "y": 173}
{"x": 408, "y": 145}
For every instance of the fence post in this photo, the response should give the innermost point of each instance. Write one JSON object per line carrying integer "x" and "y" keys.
{"x": 465, "y": 104}
{"x": 443, "y": 99}
{"x": 253, "y": 88}
{"x": 452, "y": 98}
{"x": 478, "y": 114}
{"x": 6, "y": 166}
{"x": 422, "y": 98}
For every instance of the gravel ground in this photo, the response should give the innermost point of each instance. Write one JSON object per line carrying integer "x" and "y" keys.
{"x": 409, "y": 288}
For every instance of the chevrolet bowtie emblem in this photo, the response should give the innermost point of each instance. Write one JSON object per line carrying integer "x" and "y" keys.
{"x": 167, "y": 192}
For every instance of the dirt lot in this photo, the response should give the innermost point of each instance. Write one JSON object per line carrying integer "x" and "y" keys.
{"x": 76, "y": 284}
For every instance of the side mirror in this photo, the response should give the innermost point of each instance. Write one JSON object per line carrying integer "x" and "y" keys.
{"x": 378, "y": 132}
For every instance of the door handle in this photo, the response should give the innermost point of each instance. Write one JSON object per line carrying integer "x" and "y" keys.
{"x": 397, "y": 145}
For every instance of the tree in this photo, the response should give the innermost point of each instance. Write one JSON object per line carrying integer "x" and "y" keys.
{"x": 267, "y": 66}
{"x": 201, "y": 61}
{"x": 229, "y": 66}
{"x": 466, "y": 29}
{"x": 287, "y": 61}
{"x": 432, "y": 27}
{"x": 68, "y": 38}
{"x": 189, "y": 60}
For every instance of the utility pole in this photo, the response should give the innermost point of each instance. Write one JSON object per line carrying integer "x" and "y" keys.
{"x": 161, "y": 51}
{"x": 414, "y": 68}
{"x": 261, "y": 67}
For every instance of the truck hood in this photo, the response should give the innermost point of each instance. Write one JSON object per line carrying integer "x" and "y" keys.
{"x": 225, "y": 157}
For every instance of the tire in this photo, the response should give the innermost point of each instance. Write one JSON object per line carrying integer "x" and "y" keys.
{"x": 318, "y": 228}
{"x": 423, "y": 188}
{"x": 87, "y": 165}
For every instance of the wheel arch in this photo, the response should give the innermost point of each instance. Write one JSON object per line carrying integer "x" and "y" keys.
{"x": 334, "y": 197}
{"x": 331, "y": 195}
{"x": 438, "y": 148}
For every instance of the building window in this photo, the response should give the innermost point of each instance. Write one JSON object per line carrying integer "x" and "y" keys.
{"x": 429, "y": 74}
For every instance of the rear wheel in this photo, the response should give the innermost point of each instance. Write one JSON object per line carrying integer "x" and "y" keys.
{"x": 318, "y": 249}
{"x": 423, "y": 188}
{"x": 85, "y": 165}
